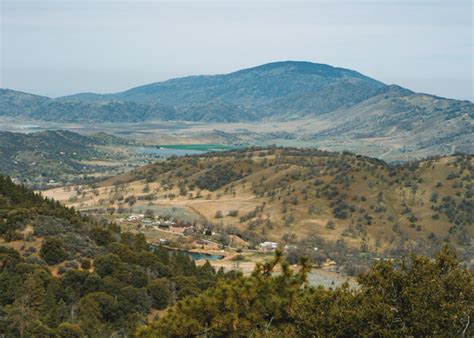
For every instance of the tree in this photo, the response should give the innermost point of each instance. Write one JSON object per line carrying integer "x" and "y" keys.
{"x": 235, "y": 307}
{"x": 415, "y": 296}
{"x": 421, "y": 296}
{"x": 107, "y": 265}
{"x": 149, "y": 214}
{"x": 90, "y": 316}
{"x": 49, "y": 307}
{"x": 52, "y": 251}
{"x": 69, "y": 330}
{"x": 160, "y": 292}
{"x": 101, "y": 236}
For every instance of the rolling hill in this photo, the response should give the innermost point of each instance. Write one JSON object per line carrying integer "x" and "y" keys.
{"x": 56, "y": 156}
{"x": 66, "y": 275}
{"x": 289, "y": 195}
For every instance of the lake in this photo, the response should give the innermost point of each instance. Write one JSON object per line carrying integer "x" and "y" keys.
{"x": 167, "y": 152}
{"x": 182, "y": 149}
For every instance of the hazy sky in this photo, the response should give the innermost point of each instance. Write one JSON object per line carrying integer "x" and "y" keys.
{"x": 59, "y": 47}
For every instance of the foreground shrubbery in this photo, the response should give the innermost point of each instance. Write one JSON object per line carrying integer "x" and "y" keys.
{"x": 414, "y": 296}
{"x": 127, "y": 283}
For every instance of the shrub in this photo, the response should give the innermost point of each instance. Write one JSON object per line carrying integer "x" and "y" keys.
{"x": 233, "y": 213}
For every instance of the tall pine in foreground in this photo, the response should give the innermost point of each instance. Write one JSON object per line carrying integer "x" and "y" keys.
{"x": 415, "y": 296}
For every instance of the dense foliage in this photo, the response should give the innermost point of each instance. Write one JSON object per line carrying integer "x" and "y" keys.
{"x": 86, "y": 278}
{"x": 415, "y": 296}
{"x": 115, "y": 296}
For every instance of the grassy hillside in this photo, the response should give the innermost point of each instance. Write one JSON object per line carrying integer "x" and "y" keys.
{"x": 306, "y": 197}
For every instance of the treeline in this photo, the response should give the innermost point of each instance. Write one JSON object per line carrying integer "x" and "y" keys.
{"x": 415, "y": 296}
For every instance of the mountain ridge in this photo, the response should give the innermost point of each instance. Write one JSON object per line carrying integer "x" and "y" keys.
{"x": 347, "y": 103}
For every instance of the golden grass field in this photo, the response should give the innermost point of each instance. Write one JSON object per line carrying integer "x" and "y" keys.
{"x": 284, "y": 183}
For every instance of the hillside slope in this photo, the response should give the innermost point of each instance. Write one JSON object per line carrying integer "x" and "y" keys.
{"x": 65, "y": 275}
{"x": 413, "y": 123}
{"x": 37, "y": 158}
{"x": 283, "y": 194}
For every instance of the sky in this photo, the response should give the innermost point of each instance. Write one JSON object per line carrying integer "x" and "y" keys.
{"x": 61, "y": 47}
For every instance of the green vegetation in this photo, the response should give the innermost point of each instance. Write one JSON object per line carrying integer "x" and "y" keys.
{"x": 56, "y": 291}
{"x": 90, "y": 279}
{"x": 52, "y": 251}
{"x": 412, "y": 297}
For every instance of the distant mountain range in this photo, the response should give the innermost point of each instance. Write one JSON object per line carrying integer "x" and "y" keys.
{"x": 281, "y": 90}
{"x": 349, "y": 105}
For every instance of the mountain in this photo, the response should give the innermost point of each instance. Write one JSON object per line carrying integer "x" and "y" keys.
{"x": 281, "y": 90}
{"x": 341, "y": 106}
{"x": 15, "y": 103}
{"x": 19, "y": 104}
{"x": 271, "y": 90}
{"x": 411, "y": 124}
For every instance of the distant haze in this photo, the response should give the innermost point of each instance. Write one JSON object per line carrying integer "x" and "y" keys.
{"x": 61, "y": 47}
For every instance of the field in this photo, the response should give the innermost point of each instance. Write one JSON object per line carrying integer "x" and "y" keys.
{"x": 199, "y": 147}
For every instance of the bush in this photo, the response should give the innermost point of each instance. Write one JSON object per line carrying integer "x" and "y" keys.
{"x": 238, "y": 257}
{"x": 330, "y": 225}
{"x": 233, "y": 213}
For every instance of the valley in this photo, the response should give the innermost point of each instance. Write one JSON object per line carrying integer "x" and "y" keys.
{"x": 282, "y": 199}
{"x": 293, "y": 103}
